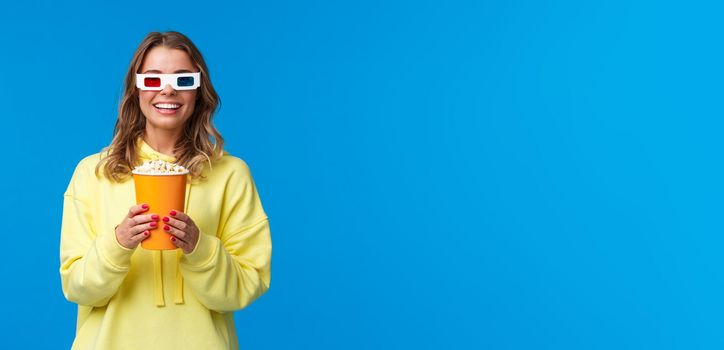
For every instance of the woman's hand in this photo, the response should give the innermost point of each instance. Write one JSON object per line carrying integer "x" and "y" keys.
{"x": 184, "y": 232}
{"x": 135, "y": 227}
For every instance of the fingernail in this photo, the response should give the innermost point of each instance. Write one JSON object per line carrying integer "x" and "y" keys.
{"x": 172, "y": 212}
{"x": 153, "y": 224}
{"x": 173, "y": 239}
{"x": 144, "y": 206}
{"x": 165, "y": 219}
{"x": 165, "y": 227}
{"x": 145, "y": 233}
{"x": 154, "y": 217}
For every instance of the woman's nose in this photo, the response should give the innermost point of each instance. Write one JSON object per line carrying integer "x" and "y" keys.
{"x": 168, "y": 90}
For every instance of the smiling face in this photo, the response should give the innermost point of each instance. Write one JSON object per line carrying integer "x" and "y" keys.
{"x": 167, "y": 109}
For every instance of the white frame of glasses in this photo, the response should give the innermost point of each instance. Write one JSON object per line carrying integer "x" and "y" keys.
{"x": 168, "y": 79}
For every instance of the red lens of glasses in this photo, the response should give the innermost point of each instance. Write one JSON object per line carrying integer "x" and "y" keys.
{"x": 152, "y": 82}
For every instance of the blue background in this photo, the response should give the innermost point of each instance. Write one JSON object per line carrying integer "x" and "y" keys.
{"x": 438, "y": 174}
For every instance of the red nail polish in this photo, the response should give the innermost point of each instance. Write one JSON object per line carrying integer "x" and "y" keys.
{"x": 154, "y": 217}
{"x": 173, "y": 213}
{"x": 165, "y": 219}
{"x": 165, "y": 227}
{"x": 153, "y": 224}
{"x": 145, "y": 206}
{"x": 173, "y": 239}
{"x": 145, "y": 233}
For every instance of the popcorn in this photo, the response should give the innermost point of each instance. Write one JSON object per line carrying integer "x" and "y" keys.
{"x": 159, "y": 167}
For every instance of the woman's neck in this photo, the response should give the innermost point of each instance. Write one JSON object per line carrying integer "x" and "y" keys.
{"x": 162, "y": 141}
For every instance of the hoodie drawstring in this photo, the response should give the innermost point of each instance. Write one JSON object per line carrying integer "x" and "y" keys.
{"x": 158, "y": 278}
{"x": 178, "y": 289}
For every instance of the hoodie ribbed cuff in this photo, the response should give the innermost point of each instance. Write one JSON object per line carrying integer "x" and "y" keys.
{"x": 113, "y": 252}
{"x": 203, "y": 252}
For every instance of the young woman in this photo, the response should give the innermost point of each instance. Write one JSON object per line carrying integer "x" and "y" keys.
{"x": 132, "y": 298}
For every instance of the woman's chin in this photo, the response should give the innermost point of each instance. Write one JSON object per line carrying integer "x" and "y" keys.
{"x": 165, "y": 122}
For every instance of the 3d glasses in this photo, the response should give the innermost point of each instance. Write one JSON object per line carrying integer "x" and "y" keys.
{"x": 179, "y": 81}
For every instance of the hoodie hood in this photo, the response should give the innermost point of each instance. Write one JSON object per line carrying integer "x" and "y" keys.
{"x": 147, "y": 153}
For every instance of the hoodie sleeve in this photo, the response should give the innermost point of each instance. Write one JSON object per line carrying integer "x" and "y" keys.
{"x": 92, "y": 262}
{"x": 229, "y": 272}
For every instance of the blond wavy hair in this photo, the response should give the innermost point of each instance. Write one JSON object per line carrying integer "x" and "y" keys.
{"x": 194, "y": 148}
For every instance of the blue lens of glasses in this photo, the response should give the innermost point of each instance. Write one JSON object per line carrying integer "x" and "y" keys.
{"x": 185, "y": 81}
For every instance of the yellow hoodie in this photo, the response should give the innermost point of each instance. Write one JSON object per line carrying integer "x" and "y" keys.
{"x": 143, "y": 299}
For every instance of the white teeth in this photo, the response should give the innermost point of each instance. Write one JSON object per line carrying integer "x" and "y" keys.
{"x": 167, "y": 105}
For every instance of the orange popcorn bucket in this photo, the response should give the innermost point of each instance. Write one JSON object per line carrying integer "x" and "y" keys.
{"x": 162, "y": 193}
